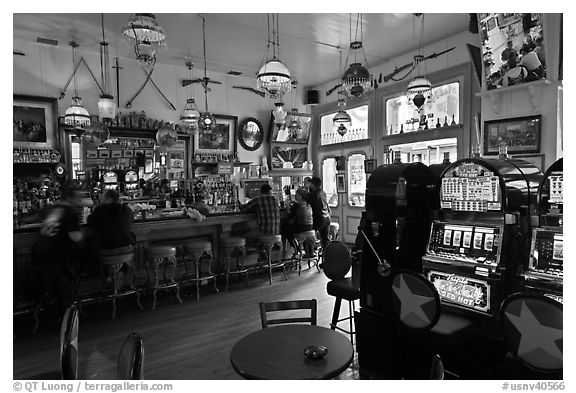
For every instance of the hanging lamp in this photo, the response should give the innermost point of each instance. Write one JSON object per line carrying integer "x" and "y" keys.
{"x": 273, "y": 77}
{"x": 420, "y": 87}
{"x": 166, "y": 136}
{"x": 148, "y": 37}
{"x": 206, "y": 121}
{"x": 342, "y": 119}
{"x": 279, "y": 113}
{"x": 76, "y": 116}
{"x": 356, "y": 79}
{"x": 106, "y": 104}
{"x": 190, "y": 114}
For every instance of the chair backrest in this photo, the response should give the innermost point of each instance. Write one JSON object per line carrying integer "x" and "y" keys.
{"x": 532, "y": 330}
{"x": 289, "y": 305}
{"x": 336, "y": 260}
{"x": 131, "y": 358}
{"x": 415, "y": 301}
{"x": 69, "y": 344}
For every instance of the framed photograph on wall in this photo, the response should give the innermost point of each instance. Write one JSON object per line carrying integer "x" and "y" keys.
{"x": 535, "y": 159}
{"x": 281, "y": 132}
{"x": 34, "y": 121}
{"x": 341, "y": 183}
{"x": 521, "y": 135}
{"x": 220, "y": 141}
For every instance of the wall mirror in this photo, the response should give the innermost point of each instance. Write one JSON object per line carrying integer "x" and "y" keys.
{"x": 250, "y": 134}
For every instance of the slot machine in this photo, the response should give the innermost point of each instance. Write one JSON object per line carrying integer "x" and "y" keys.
{"x": 394, "y": 227}
{"x": 131, "y": 180}
{"x": 544, "y": 273}
{"x": 480, "y": 238}
{"x": 110, "y": 180}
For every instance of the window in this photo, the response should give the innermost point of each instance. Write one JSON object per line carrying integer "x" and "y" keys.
{"x": 441, "y": 110}
{"x": 76, "y": 158}
{"x": 357, "y": 131}
{"x": 426, "y": 152}
{"x": 329, "y": 181}
{"x": 356, "y": 180}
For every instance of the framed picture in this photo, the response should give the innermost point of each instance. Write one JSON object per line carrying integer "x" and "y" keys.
{"x": 250, "y": 134}
{"x": 149, "y": 153}
{"x": 369, "y": 165}
{"x": 91, "y": 154}
{"x": 103, "y": 153}
{"x": 220, "y": 141}
{"x": 340, "y": 183}
{"x": 282, "y": 133}
{"x": 138, "y": 151}
{"x": 535, "y": 159}
{"x": 34, "y": 121}
{"x": 289, "y": 157}
{"x": 116, "y": 153}
{"x": 521, "y": 135}
{"x": 128, "y": 153}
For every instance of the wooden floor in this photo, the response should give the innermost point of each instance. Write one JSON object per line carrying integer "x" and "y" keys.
{"x": 182, "y": 341}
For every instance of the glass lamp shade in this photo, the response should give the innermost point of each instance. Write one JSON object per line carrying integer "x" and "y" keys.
{"x": 145, "y": 52}
{"x": 356, "y": 79}
{"x": 76, "y": 115}
{"x": 144, "y": 27}
{"x": 166, "y": 136}
{"x": 106, "y": 107}
{"x": 190, "y": 115}
{"x": 295, "y": 127}
{"x": 342, "y": 130}
{"x": 96, "y": 133}
{"x": 207, "y": 122}
{"x": 418, "y": 85}
{"x": 342, "y": 117}
{"x": 274, "y": 79}
{"x": 279, "y": 113}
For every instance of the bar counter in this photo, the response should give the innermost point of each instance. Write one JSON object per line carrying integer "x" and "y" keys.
{"x": 168, "y": 230}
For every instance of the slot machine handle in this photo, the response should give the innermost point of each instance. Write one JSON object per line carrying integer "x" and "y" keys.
{"x": 384, "y": 268}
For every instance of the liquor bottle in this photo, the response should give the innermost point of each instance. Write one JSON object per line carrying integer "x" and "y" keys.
{"x": 453, "y": 121}
{"x": 445, "y": 121}
{"x": 446, "y": 158}
{"x": 402, "y": 128}
{"x": 397, "y": 158}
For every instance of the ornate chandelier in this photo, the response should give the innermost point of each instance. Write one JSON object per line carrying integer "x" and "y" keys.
{"x": 356, "y": 79}
{"x": 274, "y": 77}
{"x": 76, "y": 116}
{"x": 419, "y": 88}
{"x": 106, "y": 105}
{"x": 148, "y": 37}
{"x": 190, "y": 115}
{"x": 206, "y": 121}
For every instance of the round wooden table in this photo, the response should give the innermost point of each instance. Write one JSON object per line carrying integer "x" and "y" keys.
{"x": 278, "y": 353}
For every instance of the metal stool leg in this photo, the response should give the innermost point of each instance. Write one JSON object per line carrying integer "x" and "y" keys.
{"x": 336, "y": 313}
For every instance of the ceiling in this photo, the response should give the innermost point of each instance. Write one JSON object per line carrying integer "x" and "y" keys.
{"x": 309, "y": 42}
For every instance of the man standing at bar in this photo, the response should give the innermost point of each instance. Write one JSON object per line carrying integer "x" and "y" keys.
{"x": 267, "y": 214}
{"x": 320, "y": 209}
{"x": 112, "y": 222}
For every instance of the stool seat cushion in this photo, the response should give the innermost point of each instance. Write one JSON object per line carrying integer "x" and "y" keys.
{"x": 118, "y": 259}
{"x": 269, "y": 239}
{"x": 452, "y": 325}
{"x": 197, "y": 245}
{"x": 233, "y": 242}
{"x": 343, "y": 288}
{"x": 161, "y": 251}
{"x": 334, "y": 225}
{"x": 450, "y": 331}
{"x": 305, "y": 234}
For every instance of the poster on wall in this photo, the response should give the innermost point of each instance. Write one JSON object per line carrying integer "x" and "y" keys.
{"x": 219, "y": 141}
{"x": 34, "y": 121}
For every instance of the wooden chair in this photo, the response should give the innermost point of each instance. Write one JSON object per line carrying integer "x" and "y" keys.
{"x": 131, "y": 358}
{"x": 311, "y": 305}
{"x": 69, "y": 344}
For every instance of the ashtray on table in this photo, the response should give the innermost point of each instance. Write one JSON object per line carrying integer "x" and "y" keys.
{"x": 315, "y": 352}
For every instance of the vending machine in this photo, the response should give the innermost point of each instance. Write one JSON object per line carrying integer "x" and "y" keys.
{"x": 544, "y": 272}
{"x": 481, "y": 236}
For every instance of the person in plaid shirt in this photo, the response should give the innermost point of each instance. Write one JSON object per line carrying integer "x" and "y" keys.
{"x": 267, "y": 212}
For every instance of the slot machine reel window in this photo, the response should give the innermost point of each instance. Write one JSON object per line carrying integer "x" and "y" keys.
{"x": 329, "y": 181}
{"x": 357, "y": 131}
{"x": 356, "y": 180}
{"x": 441, "y": 110}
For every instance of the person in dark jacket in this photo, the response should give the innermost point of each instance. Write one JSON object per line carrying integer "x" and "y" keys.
{"x": 320, "y": 209}
{"x": 112, "y": 222}
{"x": 299, "y": 218}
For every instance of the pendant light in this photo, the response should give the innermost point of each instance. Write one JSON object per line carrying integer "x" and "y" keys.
{"x": 274, "y": 77}
{"x": 356, "y": 79}
{"x": 106, "y": 105}
{"x": 76, "y": 116}
{"x": 295, "y": 128}
{"x": 166, "y": 136}
{"x": 190, "y": 114}
{"x": 279, "y": 113}
{"x": 206, "y": 121}
{"x": 420, "y": 87}
{"x": 342, "y": 119}
{"x": 148, "y": 37}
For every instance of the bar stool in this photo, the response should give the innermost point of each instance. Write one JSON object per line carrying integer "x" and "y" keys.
{"x": 194, "y": 252}
{"x": 301, "y": 239}
{"x": 234, "y": 248}
{"x": 333, "y": 231}
{"x": 267, "y": 242}
{"x": 161, "y": 263}
{"x": 115, "y": 262}
{"x": 337, "y": 264}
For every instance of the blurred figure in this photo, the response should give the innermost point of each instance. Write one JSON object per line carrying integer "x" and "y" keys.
{"x": 515, "y": 74}
{"x": 320, "y": 209}
{"x": 299, "y": 218}
{"x": 112, "y": 222}
{"x": 539, "y": 50}
{"x": 509, "y": 52}
{"x": 532, "y": 63}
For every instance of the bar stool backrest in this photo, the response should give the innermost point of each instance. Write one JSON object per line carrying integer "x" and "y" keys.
{"x": 532, "y": 330}
{"x": 69, "y": 344}
{"x": 337, "y": 260}
{"x": 289, "y": 305}
{"x": 131, "y": 358}
{"x": 415, "y": 301}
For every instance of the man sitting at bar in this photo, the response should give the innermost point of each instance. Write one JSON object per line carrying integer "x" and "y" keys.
{"x": 112, "y": 223}
{"x": 299, "y": 218}
{"x": 267, "y": 215}
{"x": 320, "y": 209}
